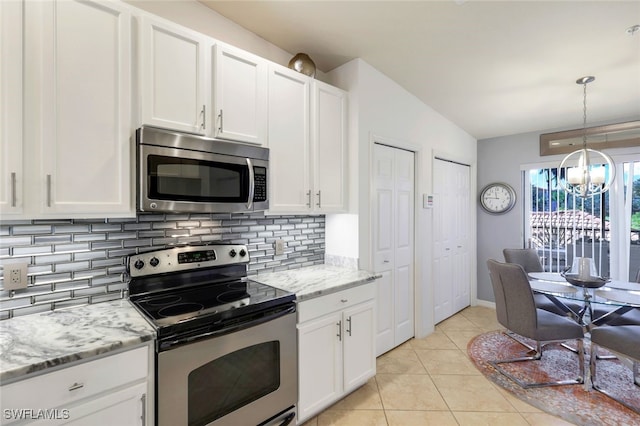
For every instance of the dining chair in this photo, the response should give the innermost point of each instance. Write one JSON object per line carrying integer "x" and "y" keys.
{"x": 517, "y": 312}
{"x": 530, "y": 262}
{"x": 624, "y": 340}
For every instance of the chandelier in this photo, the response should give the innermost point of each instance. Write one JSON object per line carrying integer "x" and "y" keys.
{"x": 589, "y": 178}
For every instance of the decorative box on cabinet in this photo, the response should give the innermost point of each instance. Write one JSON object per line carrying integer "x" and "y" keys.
{"x": 308, "y": 144}
{"x": 111, "y": 390}
{"x": 336, "y": 347}
{"x": 240, "y": 95}
{"x": 174, "y": 80}
{"x": 73, "y": 159}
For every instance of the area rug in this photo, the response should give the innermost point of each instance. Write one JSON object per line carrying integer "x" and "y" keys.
{"x": 573, "y": 403}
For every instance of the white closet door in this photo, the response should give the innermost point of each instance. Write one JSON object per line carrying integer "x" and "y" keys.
{"x": 393, "y": 231}
{"x": 451, "y": 215}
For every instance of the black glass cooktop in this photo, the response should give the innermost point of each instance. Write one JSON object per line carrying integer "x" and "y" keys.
{"x": 191, "y": 307}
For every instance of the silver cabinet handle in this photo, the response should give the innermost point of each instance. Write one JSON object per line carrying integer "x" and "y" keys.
{"x": 143, "y": 401}
{"x": 204, "y": 117}
{"x": 385, "y": 261}
{"x": 339, "y": 324}
{"x": 48, "y": 190}
{"x": 319, "y": 204}
{"x": 344, "y": 300}
{"x": 76, "y": 386}
{"x": 221, "y": 126}
{"x": 309, "y": 198}
{"x": 13, "y": 189}
{"x": 252, "y": 184}
{"x": 349, "y": 326}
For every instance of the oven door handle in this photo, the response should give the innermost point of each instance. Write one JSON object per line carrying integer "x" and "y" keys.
{"x": 250, "y": 323}
{"x": 287, "y": 420}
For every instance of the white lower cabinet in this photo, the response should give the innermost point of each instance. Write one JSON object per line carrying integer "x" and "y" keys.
{"x": 113, "y": 390}
{"x": 336, "y": 347}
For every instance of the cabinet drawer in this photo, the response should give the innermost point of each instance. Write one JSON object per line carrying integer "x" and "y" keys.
{"x": 62, "y": 387}
{"x": 332, "y": 302}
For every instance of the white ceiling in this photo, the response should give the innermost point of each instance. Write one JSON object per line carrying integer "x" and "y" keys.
{"x": 494, "y": 68}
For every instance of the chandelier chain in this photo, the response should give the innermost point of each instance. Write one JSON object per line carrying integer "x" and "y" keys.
{"x": 584, "y": 115}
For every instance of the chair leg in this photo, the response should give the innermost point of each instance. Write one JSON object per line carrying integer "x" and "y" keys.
{"x": 515, "y": 337}
{"x": 536, "y": 356}
{"x": 594, "y": 381}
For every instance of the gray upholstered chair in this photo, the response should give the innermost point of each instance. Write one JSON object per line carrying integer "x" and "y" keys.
{"x": 517, "y": 312}
{"x": 530, "y": 262}
{"x": 623, "y": 340}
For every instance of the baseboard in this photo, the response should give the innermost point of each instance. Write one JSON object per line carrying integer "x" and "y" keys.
{"x": 485, "y": 304}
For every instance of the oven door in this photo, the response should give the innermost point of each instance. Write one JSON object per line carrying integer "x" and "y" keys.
{"x": 181, "y": 180}
{"x": 243, "y": 378}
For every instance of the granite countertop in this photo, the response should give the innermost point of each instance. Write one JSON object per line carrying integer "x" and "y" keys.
{"x": 32, "y": 343}
{"x": 314, "y": 281}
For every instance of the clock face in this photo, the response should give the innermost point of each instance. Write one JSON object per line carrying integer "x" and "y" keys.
{"x": 498, "y": 198}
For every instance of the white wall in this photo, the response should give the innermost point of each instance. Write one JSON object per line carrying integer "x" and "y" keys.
{"x": 382, "y": 110}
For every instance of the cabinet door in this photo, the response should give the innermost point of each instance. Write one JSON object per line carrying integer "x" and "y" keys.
{"x": 319, "y": 364}
{"x": 125, "y": 407}
{"x": 329, "y": 141}
{"x": 85, "y": 97}
{"x": 173, "y": 81}
{"x": 240, "y": 94}
{"x": 359, "y": 345}
{"x": 289, "y": 171}
{"x": 11, "y": 176}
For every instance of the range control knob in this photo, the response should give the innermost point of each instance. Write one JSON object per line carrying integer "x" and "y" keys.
{"x": 139, "y": 264}
{"x": 154, "y": 262}
{"x": 232, "y": 253}
{"x": 243, "y": 252}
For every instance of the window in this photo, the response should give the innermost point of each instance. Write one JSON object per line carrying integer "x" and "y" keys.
{"x": 562, "y": 227}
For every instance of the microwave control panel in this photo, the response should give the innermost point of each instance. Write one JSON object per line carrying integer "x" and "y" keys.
{"x": 260, "y": 188}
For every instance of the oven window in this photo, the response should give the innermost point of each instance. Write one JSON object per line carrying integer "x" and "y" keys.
{"x": 183, "y": 179}
{"x": 233, "y": 381}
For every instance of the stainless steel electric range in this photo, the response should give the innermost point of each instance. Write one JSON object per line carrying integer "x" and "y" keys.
{"x": 226, "y": 351}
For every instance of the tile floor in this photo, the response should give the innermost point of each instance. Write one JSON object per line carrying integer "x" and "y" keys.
{"x": 431, "y": 381}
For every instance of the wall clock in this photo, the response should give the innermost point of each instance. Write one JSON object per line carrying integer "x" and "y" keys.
{"x": 497, "y": 198}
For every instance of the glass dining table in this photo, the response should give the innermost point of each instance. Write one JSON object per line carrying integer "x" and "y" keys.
{"x": 611, "y": 300}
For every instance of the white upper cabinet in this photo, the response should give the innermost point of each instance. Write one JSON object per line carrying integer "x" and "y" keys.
{"x": 83, "y": 108}
{"x": 72, "y": 89}
{"x": 308, "y": 144}
{"x": 329, "y": 139}
{"x": 240, "y": 95}
{"x": 174, "y": 77}
{"x": 11, "y": 147}
{"x": 289, "y": 148}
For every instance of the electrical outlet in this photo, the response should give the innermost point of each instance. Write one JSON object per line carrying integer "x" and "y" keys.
{"x": 279, "y": 246}
{"x": 15, "y": 276}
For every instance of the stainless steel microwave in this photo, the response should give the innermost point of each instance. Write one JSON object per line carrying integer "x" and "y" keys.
{"x": 179, "y": 172}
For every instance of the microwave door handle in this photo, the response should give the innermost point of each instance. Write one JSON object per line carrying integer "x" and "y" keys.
{"x": 252, "y": 184}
